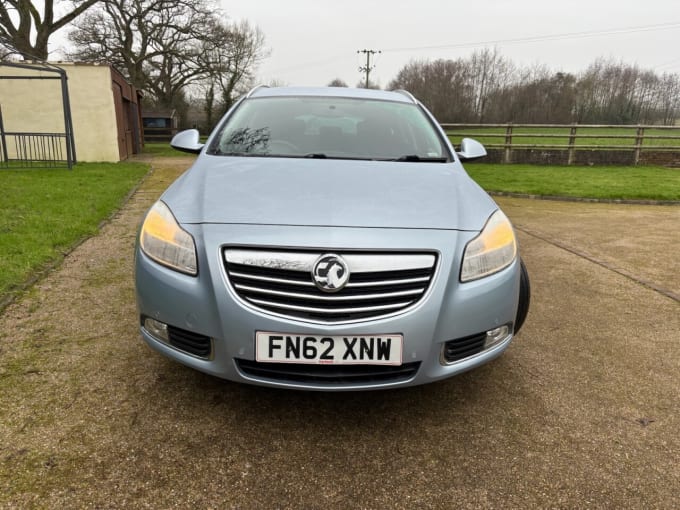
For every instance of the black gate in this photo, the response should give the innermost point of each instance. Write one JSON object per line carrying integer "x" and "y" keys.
{"x": 36, "y": 149}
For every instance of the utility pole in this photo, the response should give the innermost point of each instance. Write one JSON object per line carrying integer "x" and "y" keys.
{"x": 367, "y": 68}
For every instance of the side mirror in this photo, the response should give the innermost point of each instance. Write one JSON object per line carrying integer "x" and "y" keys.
{"x": 187, "y": 141}
{"x": 470, "y": 149}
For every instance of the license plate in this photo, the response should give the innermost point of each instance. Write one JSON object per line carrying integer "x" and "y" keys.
{"x": 328, "y": 350}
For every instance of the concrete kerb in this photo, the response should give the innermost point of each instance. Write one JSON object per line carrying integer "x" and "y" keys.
{"x": 557, "y": 198}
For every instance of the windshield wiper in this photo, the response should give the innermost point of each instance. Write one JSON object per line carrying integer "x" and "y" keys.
{"x": 421, "y": 159}
{"x": 235, "y": 153}
{"x": 255, "y": 154}
{"x": 321, "y": 155}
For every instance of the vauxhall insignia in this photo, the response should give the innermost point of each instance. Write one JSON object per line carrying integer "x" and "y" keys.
{"x": 330, "y": 273}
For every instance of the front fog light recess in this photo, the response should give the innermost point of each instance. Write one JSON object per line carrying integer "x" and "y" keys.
{"x": 496, "y": 336}
{"x": 157, "y": 329}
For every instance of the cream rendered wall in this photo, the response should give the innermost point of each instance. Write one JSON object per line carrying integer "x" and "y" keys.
{"x": 35, "y": 106}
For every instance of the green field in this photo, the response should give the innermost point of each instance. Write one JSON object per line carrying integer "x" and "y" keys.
{"x": 560, "y": 136}
{"x": 45, "y": 212}
{"x": 607, "y": 182}
{"x": 162, "y": 149}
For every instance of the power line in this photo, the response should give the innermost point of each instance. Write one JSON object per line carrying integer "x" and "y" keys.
{"x": 541, "y": 38}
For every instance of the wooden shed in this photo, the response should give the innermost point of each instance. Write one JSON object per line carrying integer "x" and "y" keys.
{"x": 159, "y": 126}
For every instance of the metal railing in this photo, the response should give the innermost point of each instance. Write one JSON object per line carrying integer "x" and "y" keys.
{"x": 34, "y": 150}
{"x": 570, "y": 138}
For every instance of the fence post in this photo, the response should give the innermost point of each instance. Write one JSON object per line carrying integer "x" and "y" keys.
{"x": 507, "y": 154}
{"x": 639, "y": 137}
{"x": 3, "y": 140}
{"x": 572, "y": 140}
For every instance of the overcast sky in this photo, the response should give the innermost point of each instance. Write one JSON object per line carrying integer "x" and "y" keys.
{"x": 311, "y": 42}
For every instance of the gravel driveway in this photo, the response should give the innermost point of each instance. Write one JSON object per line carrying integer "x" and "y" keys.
{"x": 581, "y": 411}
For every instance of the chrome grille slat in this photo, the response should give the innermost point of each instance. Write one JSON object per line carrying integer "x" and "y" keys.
{"x": 354, "y": 309}
{"x": 330, "y": 298}
{"x": 303, "y": 260}
{"x": 424, "y": 279}
{"x": 280, "y": 282}
{"x": 273, "y": 280}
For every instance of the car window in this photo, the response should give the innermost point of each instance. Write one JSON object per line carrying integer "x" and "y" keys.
{"x": 329, "y": 127}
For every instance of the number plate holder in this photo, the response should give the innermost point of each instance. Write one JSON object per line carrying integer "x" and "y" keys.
{"x": 385, "y": 349}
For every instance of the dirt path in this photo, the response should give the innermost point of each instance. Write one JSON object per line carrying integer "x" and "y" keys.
{"x": 582, "y": 410}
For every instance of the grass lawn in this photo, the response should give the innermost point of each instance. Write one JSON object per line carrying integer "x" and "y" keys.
{"x": 607, "y": 182}
{"x": 44, "y": 212}
{"x": 162, "y": 149}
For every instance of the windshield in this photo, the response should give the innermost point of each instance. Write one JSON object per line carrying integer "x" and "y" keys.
{"x": 329, "y": 127}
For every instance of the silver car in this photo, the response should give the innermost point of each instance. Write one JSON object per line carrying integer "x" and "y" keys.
{"x": 328, "y": 239}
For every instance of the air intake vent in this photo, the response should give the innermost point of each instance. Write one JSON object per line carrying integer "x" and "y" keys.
{"x": 192, "y": 343}
{"x": 328, "y": 374}
{"x": 456, "y": 350}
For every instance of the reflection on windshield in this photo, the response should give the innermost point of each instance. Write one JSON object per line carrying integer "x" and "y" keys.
{"x": 246, "y": 140}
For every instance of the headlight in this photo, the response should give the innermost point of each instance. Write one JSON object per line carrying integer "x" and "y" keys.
{"x": 492, "y": 250}
{"x": 164, "y": 241}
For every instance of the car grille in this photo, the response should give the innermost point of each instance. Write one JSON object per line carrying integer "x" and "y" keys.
{"x": 328, "y": 374}
{"x": 281, "y": 282}
{"x": 456, "y": 350}
{"x": 192, "y": 343}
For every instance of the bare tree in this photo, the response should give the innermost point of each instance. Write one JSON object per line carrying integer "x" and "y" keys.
{"x": 156, "y": 43}
{"x": 20, "y": 19}
{"x": 228, "y": 57}
{"x": 277, "y": 82}
{"x": 442, "y": 85}
{"x": 536, "y": 96}
{"x": 614, "y": 93}
{"x": 460, "y": 90}
{"x": 169, "y": 48}
{"x": 337, "y": 82}
{"x": 488, "y": 88}
{"x": 669, "y": 98}
{"x": 371, "y": 85}
{"x": 490, "y": 73}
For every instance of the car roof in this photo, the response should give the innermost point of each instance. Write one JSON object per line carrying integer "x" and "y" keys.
{"x": 382, "y": 95}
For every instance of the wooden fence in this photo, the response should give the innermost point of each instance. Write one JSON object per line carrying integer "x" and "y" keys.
{"x": 574, "y": 144}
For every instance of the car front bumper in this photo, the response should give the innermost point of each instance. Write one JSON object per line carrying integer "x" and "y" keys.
{"x": 206, "y": 305}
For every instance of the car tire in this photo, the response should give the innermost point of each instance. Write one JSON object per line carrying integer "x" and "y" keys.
{"x": 524, "y": 297}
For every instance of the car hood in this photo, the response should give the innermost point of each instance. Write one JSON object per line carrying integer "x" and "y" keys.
{"x": 328, "y": 192}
